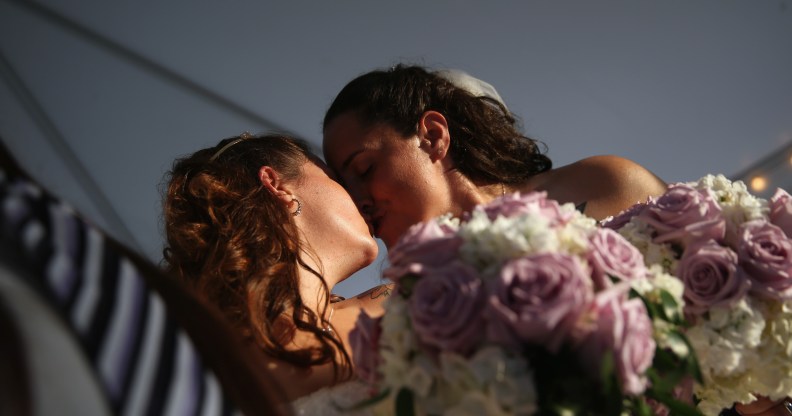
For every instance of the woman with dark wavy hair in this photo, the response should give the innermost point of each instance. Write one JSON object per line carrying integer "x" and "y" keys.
{"x": 260, "y": 229}
{"x": 410, "y": 144}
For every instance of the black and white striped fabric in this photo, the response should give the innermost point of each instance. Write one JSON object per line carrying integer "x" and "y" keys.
{"x": 146, "y": 364}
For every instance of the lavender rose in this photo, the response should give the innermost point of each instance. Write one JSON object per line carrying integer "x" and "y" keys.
{"x": 711, "y": 277}
{"x": 426, "y": 244}
{"x": 445, "y": 307}
{"x": 765, "y": 254}
{"x": 685, "y": 214}
{"x": 781, "y": 211}
{"x": 612, "y": 255}
{"x": 364, "y": 340}
{"x": 625, "y": 331}
{"x": 624, "y": 217}
{"x": 537, "y": 299}
{"x": 532, "y": 202}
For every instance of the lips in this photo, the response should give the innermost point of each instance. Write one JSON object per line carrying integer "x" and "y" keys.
{"x": 376, "y": 222}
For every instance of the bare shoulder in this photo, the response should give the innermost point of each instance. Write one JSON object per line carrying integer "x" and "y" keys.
{"x": 605, "y": 185}
{"x": 616, "y": 170}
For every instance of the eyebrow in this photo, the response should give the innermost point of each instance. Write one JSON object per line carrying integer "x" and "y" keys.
{"x": 349, "y": 158}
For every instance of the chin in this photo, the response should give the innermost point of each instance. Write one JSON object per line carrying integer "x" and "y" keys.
{"x": 389, "y": 242}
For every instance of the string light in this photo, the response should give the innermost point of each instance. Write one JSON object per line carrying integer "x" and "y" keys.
{"x": 758, "y": 183}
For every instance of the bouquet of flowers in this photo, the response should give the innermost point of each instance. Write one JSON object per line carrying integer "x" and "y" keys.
{"x": 733, "y": 253}
{"x": 524, "y": 306}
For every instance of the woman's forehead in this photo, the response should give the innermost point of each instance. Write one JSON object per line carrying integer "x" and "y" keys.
{"x": 346, "y": 136}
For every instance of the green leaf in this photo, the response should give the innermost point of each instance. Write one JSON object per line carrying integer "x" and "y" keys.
{"x": 641, "y": 408}
{"x": 651, "y": 308}
{"x": 664, "y": 360}
{"x": 670, "y": 307}
{"x": 404, "y": 403}
{"x": 692, "y": 366}
{"x": 606, "y": 372}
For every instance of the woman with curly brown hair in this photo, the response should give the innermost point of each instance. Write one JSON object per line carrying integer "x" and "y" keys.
{"x": 260, "y": 229}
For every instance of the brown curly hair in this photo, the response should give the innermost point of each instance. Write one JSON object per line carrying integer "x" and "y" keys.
{"x": 487, "y": 145}
{"x": 238, "y": 245}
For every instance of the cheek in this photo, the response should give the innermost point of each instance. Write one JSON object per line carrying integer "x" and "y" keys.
{"x": 402, "y": 178}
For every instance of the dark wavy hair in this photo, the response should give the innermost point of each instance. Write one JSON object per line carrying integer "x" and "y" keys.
{"x": 238, "y": 245}
{"x": 486, "y": 144}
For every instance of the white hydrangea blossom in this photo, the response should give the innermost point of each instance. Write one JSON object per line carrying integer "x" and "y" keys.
{"x": 773, "y": 376}
{"x": 639, "y": 234}
{"x": 488, "y": 243}
{"x": 497, "y": 381}
{"x": 448, "y": 220}
{"x": 505, "y": 378}
{"x": 737, "y": 204}
{"x": 658, "y": 279}
{"x": 574, "y": 236}
{"x": 728, "y": 348}
{"x": 726, "y": 343}
{"x": 399, "y": 339}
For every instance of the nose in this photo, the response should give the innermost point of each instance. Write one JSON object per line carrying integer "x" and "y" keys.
{"x": 362, "y": 200}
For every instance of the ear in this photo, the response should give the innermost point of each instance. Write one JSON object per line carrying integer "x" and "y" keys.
{"x": 271, "y": 180}
{"x": 434, "y": 135}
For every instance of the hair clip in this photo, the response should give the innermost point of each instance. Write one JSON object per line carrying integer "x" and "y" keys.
{"x": 243, "y": 136}
{"x": 471, "y": 84}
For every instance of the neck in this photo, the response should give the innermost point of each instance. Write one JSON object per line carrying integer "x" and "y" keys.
{"x": 468, "y": 193}
{"x": 311, "y": 291}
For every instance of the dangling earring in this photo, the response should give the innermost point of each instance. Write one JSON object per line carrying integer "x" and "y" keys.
{"x": 298, "y": 211}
